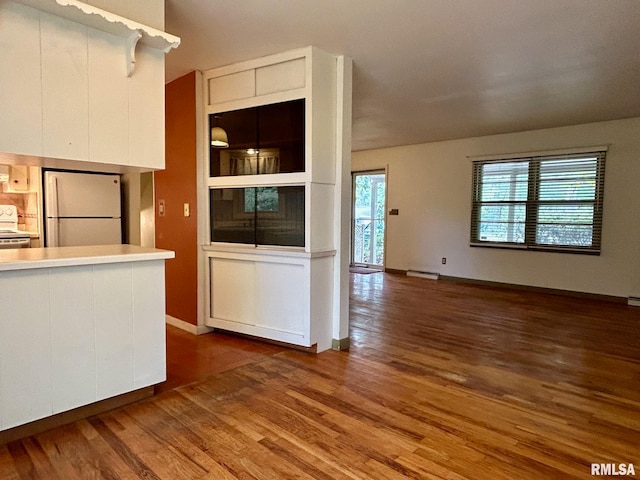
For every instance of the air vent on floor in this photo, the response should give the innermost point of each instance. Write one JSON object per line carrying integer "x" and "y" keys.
{"x": 633, "y": 301}
{"x": 423, "y": 274}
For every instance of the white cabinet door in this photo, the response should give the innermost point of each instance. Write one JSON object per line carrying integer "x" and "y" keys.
{"x": 25, "y": 348}
{"x": 262, "y": 297}
{"x": 146, "y": 109}
{"x": 149, "y": 333}
{"x": 108, "y": 99}
{"x": 20, "y": 94}
{"x": 233, "y": 290}
{"x": 114, "y": 329}
{"x": 73, "y": 355}
{"x": 18, "y": 179}
{"x": 65, "y": 97}
{"x": 282, "y": 300}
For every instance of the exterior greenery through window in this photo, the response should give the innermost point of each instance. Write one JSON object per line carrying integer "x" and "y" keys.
{"x": 261, "y": 199}
{"x": 551, "y": 202}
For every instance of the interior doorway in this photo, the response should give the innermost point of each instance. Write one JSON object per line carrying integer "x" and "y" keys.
{"x": 368, "y": 225}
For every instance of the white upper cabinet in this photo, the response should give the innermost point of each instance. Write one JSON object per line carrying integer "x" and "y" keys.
{"x": 308, "y": 75}
{"x": 65, "y": 105}
{"x": 20, "y": 80}
{"x": 84, "y": 84}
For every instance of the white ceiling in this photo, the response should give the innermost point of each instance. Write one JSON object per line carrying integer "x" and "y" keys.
{"x": 428, "y": 70}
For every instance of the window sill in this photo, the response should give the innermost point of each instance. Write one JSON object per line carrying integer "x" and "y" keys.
{"x": 536, "y": 248}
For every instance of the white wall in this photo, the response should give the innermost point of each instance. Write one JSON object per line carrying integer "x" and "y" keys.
{"x": 431, "y": 186}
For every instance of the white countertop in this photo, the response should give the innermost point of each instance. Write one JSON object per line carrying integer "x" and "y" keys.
{"x": 29, "y": 258}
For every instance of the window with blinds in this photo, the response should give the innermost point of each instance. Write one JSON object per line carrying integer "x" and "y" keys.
{"x": 550, "y": 202}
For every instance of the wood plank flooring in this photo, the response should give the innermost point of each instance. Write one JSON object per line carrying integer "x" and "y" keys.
{"x": 443, "y": 381}
{"x": 195, "y": 357}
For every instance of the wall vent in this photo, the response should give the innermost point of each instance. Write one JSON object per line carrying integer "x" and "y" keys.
{"x": 423, "y": 274}
{"x": 633, "y": 301}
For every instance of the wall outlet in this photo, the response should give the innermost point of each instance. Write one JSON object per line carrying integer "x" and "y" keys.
{"x": 444, "y": 260}
{"x": 161, "y": 207}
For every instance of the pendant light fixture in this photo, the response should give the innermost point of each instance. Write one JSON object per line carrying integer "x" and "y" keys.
{"x": 219, "y": 137}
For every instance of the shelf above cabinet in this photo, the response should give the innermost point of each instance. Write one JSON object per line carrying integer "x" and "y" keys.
{"x": 108, "y": 22}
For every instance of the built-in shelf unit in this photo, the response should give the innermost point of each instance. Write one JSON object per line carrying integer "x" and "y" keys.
{"x": 273, "y": 199}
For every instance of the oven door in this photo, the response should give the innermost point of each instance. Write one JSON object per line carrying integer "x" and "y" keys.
{"x": 14, "y": 240}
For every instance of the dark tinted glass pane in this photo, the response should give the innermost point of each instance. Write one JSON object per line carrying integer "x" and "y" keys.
{"x": 230, "y": 220}
{"x": 242, "y": 131}
{"x": 262, "y": 140}
{"x": 281, "y": 136}
{"x": 280, "y": 216}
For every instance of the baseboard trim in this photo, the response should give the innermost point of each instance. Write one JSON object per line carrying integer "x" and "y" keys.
{"x": 186, "y": 326}
{"x": 633, "y": 301}
{"x": 292, "y": 346}
{"x": 340, "y": 344}
{"x": 528, "y": 288}
{"x": 64, "y": 418}
{"x": 427, "y": 275}
{"x": 395, "y": 271}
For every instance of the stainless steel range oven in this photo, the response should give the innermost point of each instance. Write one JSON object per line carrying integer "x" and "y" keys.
{"x": 10, "y": 236}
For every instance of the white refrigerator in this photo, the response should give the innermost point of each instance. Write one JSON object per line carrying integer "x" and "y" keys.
{"x": 82, "y": 209}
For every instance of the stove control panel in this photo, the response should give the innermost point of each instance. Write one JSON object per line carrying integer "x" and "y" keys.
{"x": 8, "y": 212}
{"x": 8, "y": 215}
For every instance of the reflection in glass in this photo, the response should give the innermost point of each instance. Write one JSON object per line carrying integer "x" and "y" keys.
{"x": 258, "y": 215}
{"x": 262, "y": 140}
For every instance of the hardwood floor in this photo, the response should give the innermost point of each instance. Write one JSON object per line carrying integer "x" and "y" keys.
{"x": 196, "y": 357}
{"x": 443, "y": 381}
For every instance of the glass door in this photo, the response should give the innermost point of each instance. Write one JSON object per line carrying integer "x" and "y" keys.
{"x": 368, "y": 227}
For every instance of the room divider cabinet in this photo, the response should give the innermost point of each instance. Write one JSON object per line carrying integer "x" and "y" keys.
{"x": 271, "y": 225}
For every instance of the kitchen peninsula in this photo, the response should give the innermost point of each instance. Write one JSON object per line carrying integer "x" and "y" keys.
{"x": 78, "y": 325}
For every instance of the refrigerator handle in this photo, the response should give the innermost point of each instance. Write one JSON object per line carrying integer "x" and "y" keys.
{"x": 52, "y": 204}
{"x": 53, "y": 235}
{"x": 52, "y": 200}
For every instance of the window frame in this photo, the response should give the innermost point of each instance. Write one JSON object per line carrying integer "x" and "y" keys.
{"x": 533, "y": 202}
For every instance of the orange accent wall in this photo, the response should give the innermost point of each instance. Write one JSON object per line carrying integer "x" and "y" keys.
{"x": 176, "y": 185}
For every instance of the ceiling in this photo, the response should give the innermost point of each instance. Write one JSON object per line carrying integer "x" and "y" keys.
{"x": 429, "y": 70}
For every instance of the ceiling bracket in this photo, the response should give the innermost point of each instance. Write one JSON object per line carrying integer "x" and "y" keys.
{"x": 130, "y": 45}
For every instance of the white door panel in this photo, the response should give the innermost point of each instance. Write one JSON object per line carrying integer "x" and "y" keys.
{"x": 83, "y": 195}
{"x": 88, "y": 231}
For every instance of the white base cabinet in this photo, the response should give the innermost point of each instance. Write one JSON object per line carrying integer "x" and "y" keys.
{"x": 74, "y": 335}
{"x": 276, "y": 295}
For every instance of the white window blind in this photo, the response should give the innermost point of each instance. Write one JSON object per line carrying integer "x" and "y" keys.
{"x": 549, "y": 202}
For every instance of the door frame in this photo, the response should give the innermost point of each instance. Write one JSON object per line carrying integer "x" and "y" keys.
{"x": 372, "y": 171}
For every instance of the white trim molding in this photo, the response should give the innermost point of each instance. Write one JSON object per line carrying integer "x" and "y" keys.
{"x": 187, "y": 327}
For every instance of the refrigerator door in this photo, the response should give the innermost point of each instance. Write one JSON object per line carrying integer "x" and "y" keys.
{"x": 82, "y": 195}
{"x": 68, "y": 232}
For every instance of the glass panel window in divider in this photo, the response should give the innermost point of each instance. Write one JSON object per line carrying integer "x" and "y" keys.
{"x": 258, "y": 215}
{"x": 280, "y": 216}
{"x": 268, "y": 139}
{"x": 232, "y": 219}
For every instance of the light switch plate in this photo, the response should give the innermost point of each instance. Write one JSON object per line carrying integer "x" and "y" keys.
{"x": 187, "y": 211}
